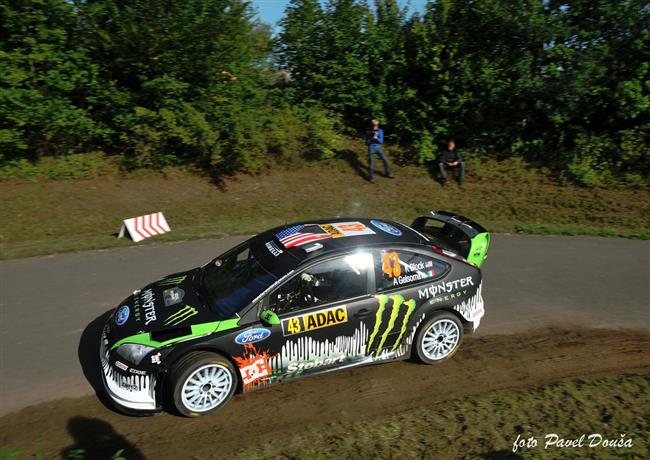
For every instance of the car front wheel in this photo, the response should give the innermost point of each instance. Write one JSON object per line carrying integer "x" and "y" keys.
{"x": 439, "y": 338}
{"x": 201, "y": 383}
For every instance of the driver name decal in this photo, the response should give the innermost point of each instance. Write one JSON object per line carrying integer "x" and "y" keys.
{"x": 315, "y": 320}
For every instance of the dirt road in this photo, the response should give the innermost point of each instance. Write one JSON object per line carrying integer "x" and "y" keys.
{"x": 483, "y": 365}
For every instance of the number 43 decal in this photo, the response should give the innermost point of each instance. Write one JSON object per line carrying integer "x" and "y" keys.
{"x": 391, "y": 266}
{"x": 293, "y": 326}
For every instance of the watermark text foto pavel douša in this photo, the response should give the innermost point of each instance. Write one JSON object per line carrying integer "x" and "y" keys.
{"x": 555, "y": 441}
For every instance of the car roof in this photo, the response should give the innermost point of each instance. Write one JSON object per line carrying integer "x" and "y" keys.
{"x": 338, "y": 235}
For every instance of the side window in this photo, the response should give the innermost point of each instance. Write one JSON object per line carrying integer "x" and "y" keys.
{"x": 396, "y": 268}
{"x": 327, "y": 282}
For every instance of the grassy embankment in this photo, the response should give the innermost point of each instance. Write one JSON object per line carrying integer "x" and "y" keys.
{"x": 47, "y": 216}
{"x": 486, "y": 427}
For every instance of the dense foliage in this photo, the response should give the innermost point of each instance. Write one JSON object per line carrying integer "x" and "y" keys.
{"x": 153, "y": 81}
{"x": 560, "y": 83}
{"x": 565, "y": 84}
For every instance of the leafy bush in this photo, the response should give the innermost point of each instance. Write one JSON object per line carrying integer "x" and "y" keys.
{"x": 288, "y": 135}
{"x": 74, "y": 166}
{"x": 635, "y": 150}
{"x": 77, "y": 166}
{"x": 322, "y": 137}
{"x": 425, "y": 148}
{"x": 598, "y": 162}
{"x": 170, "y": 135}
{"x": 20, "y": 169}
{"x": 589, "y": 166}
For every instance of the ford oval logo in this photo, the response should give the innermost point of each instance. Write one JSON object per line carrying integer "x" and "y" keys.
{"x": 252, "y": 336}
{"x": 122, "y": 315}
{"x": 388, "y": 228}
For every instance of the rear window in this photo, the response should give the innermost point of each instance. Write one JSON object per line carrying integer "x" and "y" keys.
{"x": 399, "y": 268}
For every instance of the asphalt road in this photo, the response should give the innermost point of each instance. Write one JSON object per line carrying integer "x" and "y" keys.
{"x": 529, "y": 282}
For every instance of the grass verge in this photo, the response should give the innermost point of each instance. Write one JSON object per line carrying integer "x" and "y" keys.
{"x": 487, "y": 427}
{"x": 606, "y": 411}
{"x": 70, "y": 215}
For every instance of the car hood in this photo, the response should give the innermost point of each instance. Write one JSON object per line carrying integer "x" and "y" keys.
{"x": 170, "y": 303}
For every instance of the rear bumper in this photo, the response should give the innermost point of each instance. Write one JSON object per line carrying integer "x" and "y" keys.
{"x": 131, "y": 394}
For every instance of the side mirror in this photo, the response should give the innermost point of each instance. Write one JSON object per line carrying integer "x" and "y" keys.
{"x": 269, "y": 317}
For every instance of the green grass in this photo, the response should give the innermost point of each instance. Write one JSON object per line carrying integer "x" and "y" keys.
{"x": 575, "y": 231}
{"x": 49, "y": 216}
{"x": 486, "y": 427}
{"x": 482, "y": 427}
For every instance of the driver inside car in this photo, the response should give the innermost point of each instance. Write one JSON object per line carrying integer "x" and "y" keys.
{"x": 299, "y": 295}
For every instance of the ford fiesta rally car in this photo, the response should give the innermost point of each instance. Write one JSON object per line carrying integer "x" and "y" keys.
{"x": 293, "y": 301}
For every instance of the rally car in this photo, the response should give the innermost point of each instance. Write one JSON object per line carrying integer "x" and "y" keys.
{"x": 293, "y": 301}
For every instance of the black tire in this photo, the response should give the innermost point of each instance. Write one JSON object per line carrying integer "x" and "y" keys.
{"x": 186, "y": 368}
{"x": 451, "y": 326}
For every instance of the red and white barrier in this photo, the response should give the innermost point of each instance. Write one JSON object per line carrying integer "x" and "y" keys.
{"x": 141, "y": 227}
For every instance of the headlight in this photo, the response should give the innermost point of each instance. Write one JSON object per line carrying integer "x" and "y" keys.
{"x": 133, "y": 352}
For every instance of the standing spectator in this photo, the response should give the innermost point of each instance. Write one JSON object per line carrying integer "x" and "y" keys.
{"x": 451, "y": 159}
{"x": 375, "y": 139}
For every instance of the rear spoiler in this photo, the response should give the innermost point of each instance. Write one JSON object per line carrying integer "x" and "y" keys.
{"x": 455, "y": 233}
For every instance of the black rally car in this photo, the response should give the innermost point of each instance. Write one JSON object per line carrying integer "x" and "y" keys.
{"x": 294, "y": 301}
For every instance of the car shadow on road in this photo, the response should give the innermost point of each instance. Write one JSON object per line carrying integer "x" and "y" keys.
{"x": 94, "y": 438}
{"x": 88, "y": 353}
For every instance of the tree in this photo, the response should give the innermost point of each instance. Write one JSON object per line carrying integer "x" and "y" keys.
{"x": 48, "y": 84}
{"x": 299, "y": 46}
{"x": 387, "y": 61}
{"x": 182, "y": 72}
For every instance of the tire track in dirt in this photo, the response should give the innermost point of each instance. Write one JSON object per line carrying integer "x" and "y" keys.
{"x": 482, "y": 365}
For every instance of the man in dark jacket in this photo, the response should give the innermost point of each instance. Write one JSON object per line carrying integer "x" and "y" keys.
{"x": 374, "y": 140}
{"x": 451, "y": 159}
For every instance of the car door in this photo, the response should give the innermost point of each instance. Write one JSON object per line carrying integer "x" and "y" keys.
{"x": 323, "y": 312}
{"x": 399, "y": 273}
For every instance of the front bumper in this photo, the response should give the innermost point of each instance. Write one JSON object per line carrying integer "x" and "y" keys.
{"x": 132, "y": 392}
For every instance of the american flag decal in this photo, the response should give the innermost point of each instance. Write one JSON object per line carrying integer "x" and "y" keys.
{"x": 301, "y": 234}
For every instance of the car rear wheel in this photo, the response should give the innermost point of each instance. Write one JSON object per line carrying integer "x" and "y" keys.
{"x": 201, "y": 383}
{"x": 439, "y": 338}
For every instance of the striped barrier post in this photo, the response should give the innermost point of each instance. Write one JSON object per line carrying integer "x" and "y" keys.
{"x": 141, "y": 227}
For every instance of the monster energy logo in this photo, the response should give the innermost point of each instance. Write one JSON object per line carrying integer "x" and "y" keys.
{"x": 172, "y": 281}
{"x": 397, "y": 303}
{"x": 181, "y": 315}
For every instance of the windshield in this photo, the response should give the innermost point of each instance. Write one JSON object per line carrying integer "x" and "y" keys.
{"x": 232, "y": 281}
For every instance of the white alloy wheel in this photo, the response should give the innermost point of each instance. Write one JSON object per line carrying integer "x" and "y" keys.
{"x": 206, "y": 388}
{"x": 440, "y": 339}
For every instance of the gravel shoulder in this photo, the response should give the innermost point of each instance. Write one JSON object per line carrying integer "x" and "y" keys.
{"x": 483, "y": 365}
